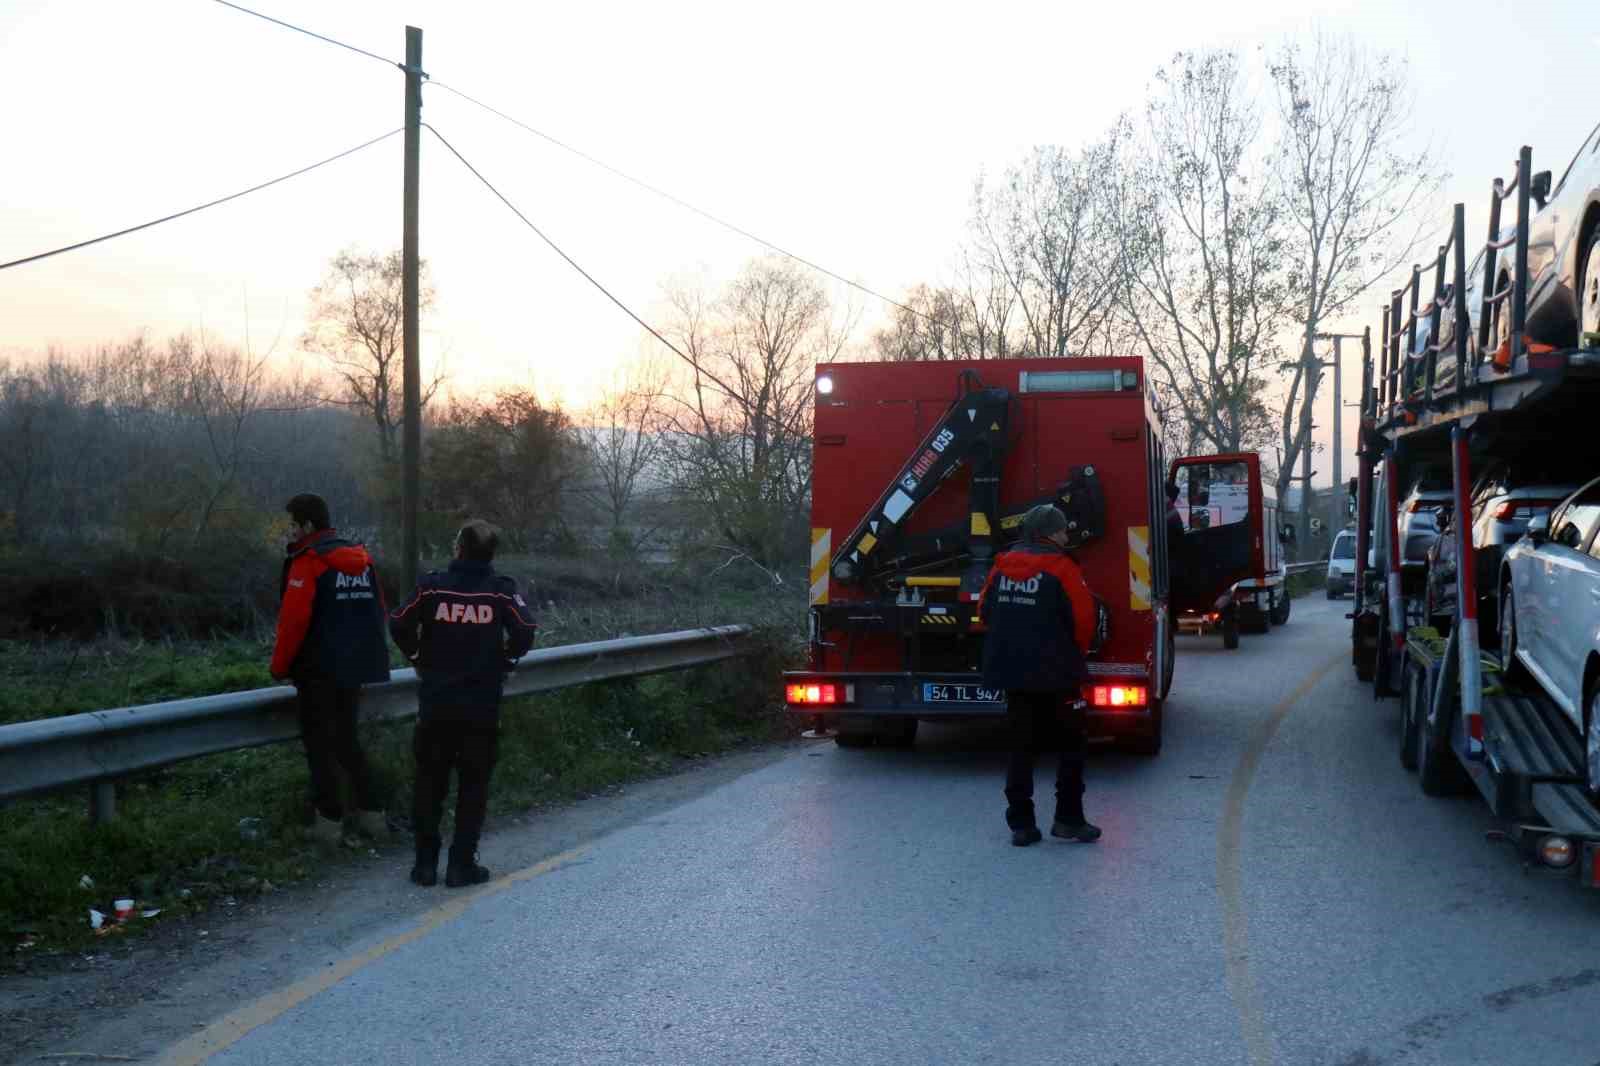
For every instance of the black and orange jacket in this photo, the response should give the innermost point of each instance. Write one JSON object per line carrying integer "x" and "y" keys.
{"x": 330, "y": 622}
{"x": 1040, "y": 617}
{"x": 463, "y": 627}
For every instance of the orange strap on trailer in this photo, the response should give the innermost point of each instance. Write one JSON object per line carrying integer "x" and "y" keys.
{"x": 1502, "y": 355}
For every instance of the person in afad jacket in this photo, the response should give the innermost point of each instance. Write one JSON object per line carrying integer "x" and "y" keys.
{"x": 464, "y": 628}
{"x": 330, "y": 642}
{"x": 1041, "y": 618}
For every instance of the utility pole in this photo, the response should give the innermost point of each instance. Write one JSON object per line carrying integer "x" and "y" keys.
{"x": 411, "y": 430}
{"x": 1338, "y": 405}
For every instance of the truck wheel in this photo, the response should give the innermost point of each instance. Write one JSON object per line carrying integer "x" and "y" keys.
{"x": 855, "y": 735}
{"x": 1280, "y": 609}
{"x": 897, "y": 732}
{"x": 1171, "y": 660}
{"x": 1412, "y": 699}
{"x": 1148, "y": 743}
{"x": 1230, "y": 629}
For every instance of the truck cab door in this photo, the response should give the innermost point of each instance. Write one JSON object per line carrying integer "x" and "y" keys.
{"x": 1221, "y": 505}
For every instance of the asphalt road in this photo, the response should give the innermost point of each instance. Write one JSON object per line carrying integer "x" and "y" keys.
{"x": 1273, "y": 888}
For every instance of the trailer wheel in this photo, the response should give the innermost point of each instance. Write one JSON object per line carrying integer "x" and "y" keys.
{"x": 1230, "y": 628}
{"x": 1413, "y": 697}
{"x": 1438, "y": 772}
{"x": 1362, "y": 653}
{"x": 1280, "y": 609}
{"x": 1381, "y": 670}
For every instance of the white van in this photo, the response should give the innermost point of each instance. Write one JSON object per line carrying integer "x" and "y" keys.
{"x": 1342, "y": 564}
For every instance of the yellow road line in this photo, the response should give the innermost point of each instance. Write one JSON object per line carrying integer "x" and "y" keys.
{"x": 232, "y": 1027}
{"x": 1230, "y": 872}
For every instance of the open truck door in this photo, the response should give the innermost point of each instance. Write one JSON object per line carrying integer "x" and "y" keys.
{"x": 1227, "y": 567}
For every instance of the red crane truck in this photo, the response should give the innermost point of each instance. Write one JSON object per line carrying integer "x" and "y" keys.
{"x": 922, "y": 474}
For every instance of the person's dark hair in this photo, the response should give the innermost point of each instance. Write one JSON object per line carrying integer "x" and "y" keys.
{"x": 309, "y": 507}
{"x": 478, "y": 541}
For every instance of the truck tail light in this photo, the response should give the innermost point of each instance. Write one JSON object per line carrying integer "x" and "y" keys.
{"x": 1118, "y": 696}
{"x": 819, "y": 694}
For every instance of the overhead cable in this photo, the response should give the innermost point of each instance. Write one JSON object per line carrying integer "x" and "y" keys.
{"x": 212, "y": 203}
{"x": 310, "y": 33}
{"x": 573, "y": 263}
{"x": 603, "y": 165}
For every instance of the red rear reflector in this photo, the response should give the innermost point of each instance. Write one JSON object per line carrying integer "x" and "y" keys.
{"x": 1475, "y": 726}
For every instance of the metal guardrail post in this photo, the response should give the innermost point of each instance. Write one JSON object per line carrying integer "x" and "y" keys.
{"x": 102, "y": 801}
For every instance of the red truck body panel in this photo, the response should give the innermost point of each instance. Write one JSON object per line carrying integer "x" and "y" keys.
{"x": 875, "y": 416}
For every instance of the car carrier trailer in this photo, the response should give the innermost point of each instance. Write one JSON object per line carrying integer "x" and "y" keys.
{"x": 1466, "y": 724}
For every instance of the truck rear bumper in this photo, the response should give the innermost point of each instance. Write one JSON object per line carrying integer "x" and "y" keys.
{"x": 936, "y": 697}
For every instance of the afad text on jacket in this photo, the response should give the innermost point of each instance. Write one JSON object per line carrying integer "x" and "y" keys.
{"x": 1040, "y": 617}
{"x": 330, "y": 623}
{"x": 463, "y": 627}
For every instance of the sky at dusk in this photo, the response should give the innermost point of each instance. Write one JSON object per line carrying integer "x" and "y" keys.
{"x": 850, "y": 133}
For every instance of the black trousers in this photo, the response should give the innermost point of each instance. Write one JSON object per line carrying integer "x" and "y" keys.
{"x": 442, "y": 744}
{"x": 1029, "y": 715}
{"x": 328, "y": 728}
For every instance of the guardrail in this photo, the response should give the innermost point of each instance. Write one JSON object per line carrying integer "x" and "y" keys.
{"x": 1301, "y": 568}
{"x": 98, "y": 747}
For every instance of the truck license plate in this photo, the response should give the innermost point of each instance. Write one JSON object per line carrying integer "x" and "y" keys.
{"x": 932, "y": 693}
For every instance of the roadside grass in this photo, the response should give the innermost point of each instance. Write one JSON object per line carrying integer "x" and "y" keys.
{"x": 228, "y": 827}
{"x": 232, "y": 826}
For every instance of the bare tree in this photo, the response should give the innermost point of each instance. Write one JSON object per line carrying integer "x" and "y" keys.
{"x": 738, "y": 434}
{"x": 1353, "y": 180}
{"x": 228, "y": 392}
{"x": 622, "y": 443}
{"x": 356, "y": 322}
{"x": 1201, "y": 253}
{"x": 1041, "y": 232}
{"x": 971, "y": 318}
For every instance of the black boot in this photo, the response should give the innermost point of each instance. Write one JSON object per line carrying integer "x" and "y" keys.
{"x": 1027, "y": 835}
{"x": 463, "y": 870}
{"x": 1080, "y": 832}
{"x": 426, "y": 870}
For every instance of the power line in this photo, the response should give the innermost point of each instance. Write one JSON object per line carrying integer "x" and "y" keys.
{"x": 573, "y": 263}
{"x": 309, "y": 33}
{"x": 202, "y": 207}
{"x": 674, "y": 199}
